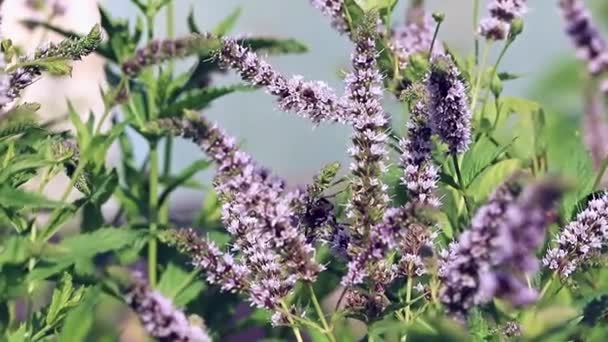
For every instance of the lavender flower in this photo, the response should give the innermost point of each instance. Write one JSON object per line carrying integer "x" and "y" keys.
{"x": 420, "y": 175}
{"x": 363, "y": 95}
{"x": 159, "y": 317}
{"x": 493, "y": 29}
{"x": 595, "y": 129}
{"x": 312, "y": 100}
{"x": 502, "y": 14}
{"x": 71, "y": 48}
{"x": 581, "y": 240}
{"x": 511, "y": 329}
{"x": 585, "y": 35}
{"x": 335, "y": 10}
{"x": 259, "y": 214}
{"x": 520, "y": 234}
{"x": 465, "y": 261}
{"x": 449, "y": 111}
{"x": 507, "y": 10}
{"x": 414, "y": 36}
{"x": 220, "y": 268}
{"x": 157, "y": 52}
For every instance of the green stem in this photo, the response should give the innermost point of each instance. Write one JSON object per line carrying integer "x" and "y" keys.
{"x": 477, "y": 88}
{"x": 153, "y": 210}
{"x": 496, "y": 64}
{"x": 319, "y": 309}
{"x": 461, "y": 182}
{"x": 546, "y": 287}
{"x": 47, "y": 233}
{"x": 434, "y": 39}
{"x": 296, "y": 330}
{"x": 475, "y": 24}
{"x": 600, "y": 174}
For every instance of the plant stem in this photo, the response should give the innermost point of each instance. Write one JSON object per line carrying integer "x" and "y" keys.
{"x": 46, "y": 232}
{"x": 153, "y": 209}
{"x": 408, "y": 296}
{"x": 319, "y": 309}
{"x": 461, "y": 182}
{"x": 296, "y": 330}
{"x": 434, "y": 39}
{"x": 481, "y": 69}
{"x": 600, "y": 174}
{"x": 546, "y": 287}
{"x": 475, "y": 24}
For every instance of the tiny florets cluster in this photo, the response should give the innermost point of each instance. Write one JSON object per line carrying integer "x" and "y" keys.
{"x": 420, "y": 175}
{"x": 71, "y": 48}
{"x": 159, "y": 51}
{"x": 313, "y": 100}
{"x": 449, "y": 110}
{"x": 334, "y": 10}
{"x": 502, "y": 14}
{"x": 586, "y": 37}
{"x": 492, "y": 258}
{"x": 466, "y": 260}
{"x": 414, "y": 36}
{"x": 363, "y": 95}
{"x": 260, "y": 215}
{"x": 581, "y": 240}
{"x": 161, "y": 319}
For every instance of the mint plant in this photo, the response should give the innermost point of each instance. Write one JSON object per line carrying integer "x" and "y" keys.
{"x": 484, "y": 218}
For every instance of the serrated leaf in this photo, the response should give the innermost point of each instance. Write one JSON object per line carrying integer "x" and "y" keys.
{"x": 493, "y": 177}
{"x": 274, "y": 45}
{"x": 85, "y": 246}
{"x": 79, "y": 320}
{"x": 180, "y": 286}
{"x": 17, "y": 198}
{"x": 226, "y": 25}
{"x": 14, "y": 250}
{"x": 183, "y": 177}
{"x": 201, "y": 98}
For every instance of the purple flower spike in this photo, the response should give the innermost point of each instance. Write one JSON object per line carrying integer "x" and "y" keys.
{"x": 419, "y": 173}
{"x": 449, "y": 111}
{"x": 581, "y": 240}
{"x": 470, "y": 257}
{"x": 334, "y": 10}
{"x": 160, "y": 317}
{"x": 586, "y": 37}
{"x": 363, "y": 95}
{"x": 312, "y": 100}
{"x": 502, "y": 14}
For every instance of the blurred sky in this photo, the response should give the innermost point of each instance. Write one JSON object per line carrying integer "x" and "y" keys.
{"x": 290, "y": 145}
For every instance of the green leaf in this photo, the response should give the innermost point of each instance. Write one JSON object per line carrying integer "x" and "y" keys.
{"x": 79, "y": 320}
{"x": 63, "y": 299}
{"x": 86, "y": 246}
{"x": 376, "y": 5}
{"x": 82, "y": 131}
{"x": 226, "y": 25}
{"x": 482, "y": 155}
{"x": 596, "y": 310}
{"x": 492, "y": 178}
{"x": 192, "y": 26}
{"x": 478, "y": 326}
{"x": 17, "y": 198}
{"x": 183, "y": 177}
{"x": 14, "y": 250}
{"x": 180, "y": 286}
{"x": 274, "y": 45}
{"x": 201, "y": 98}
{"x": 17, "y": 335}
